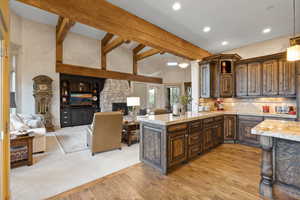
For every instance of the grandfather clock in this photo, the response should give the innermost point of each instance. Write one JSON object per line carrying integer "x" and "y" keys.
{"x": 42, "y": 92}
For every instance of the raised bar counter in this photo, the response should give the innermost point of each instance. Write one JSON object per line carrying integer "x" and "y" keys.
{"x": 280, "y": 169}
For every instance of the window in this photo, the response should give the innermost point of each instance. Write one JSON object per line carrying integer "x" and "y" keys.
{"x": 172, "y": 94}
{"x": 152, "y": 93}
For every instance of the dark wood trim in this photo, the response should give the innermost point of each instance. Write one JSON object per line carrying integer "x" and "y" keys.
{"x": 100, "y": 73}
{"x": 218, "y": 57}
{"x": 138, "y": 48}
{"x": 105, "y": 16}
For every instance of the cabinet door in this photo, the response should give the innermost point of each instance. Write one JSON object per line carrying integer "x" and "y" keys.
{"x": 242, "y": 80}
{"x": 207, "y": 138}
{"x": 205, "y": 81}
{"x": 270, "y": 78}
{"x": 287, "y": 78}
{"x": 230, "y": 127}
{"x": 177, "y": 148}
{"x": 218, "y": 134}
{"x": 245, "y": 136}
{"x": 254, "y": 79}
{"x": 227, "y": 85}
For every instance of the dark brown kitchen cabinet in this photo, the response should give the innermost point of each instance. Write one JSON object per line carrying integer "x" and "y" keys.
{"x": 177, "y": 147}
{"x": 270, "y": 78}
{"x": 218, "y": 134}
{"x": 246, "y": 123}
{"x": 227, "y": 85}
{"x": 207, "y": 139}
{"x": 230, "y": 128}
{"x": 286, "y": 78}
{"x": 254, "y": 79}
{"x": 241, "y": 80}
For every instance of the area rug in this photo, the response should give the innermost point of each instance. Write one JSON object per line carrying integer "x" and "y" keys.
{"x": 72, "y": 139}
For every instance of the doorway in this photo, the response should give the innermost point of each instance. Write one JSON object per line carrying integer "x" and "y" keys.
{"x": 173, "y": 93}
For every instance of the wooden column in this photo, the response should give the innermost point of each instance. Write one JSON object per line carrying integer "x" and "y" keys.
{"x": 265, "y": 187}
{"x": 135, "y": 51}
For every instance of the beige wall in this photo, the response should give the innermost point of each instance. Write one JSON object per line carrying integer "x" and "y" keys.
{"x": 267, "y": 47}
{"x": 37, "y": 56}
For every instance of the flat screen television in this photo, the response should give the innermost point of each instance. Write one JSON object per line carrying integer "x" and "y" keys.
{"x": 120, "y": 107}
{"x": 78, "y": 99}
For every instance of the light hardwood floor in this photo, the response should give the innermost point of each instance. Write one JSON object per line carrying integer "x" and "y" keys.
{"x": 229, "y": 172}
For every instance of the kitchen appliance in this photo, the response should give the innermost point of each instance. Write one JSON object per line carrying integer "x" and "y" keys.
{"x": 266, "y": 109}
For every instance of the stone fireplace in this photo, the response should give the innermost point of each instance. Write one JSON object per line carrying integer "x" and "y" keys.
{"x": 114, "y": 91}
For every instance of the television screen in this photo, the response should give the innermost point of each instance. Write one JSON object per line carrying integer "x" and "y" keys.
{"x": 81, "y": 99}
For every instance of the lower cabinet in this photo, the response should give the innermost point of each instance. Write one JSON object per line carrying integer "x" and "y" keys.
{"x": 230, "y": 128}
{"x": 207, "y": 139}
{"x": 246, "y": 123}
{"x": 177, "y": 147}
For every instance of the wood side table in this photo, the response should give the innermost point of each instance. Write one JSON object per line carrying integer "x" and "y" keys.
{"x": 129, "y": 129}
{"x": 21, "y": 151}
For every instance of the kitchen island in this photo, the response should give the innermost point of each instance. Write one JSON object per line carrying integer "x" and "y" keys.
{"x": 280, "y": 169}
{"x": 167, "y": 141}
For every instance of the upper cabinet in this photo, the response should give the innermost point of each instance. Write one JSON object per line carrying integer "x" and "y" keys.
{"x": 217, "y": 74}
{"x": 270, "y": 78}
{"x": 241, "y": 80}
{"x": 265, "y": 76}
{"x": 287, "y": 78}
{"x": 254, "y": 79}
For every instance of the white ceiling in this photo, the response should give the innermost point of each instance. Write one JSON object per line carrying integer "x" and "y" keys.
{"x": 240, "y": 22}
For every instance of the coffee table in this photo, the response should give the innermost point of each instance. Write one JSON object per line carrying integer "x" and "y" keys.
{"x": 129, "y": 131}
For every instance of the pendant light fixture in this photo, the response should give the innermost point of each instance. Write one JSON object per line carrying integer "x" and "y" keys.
{"x": 293, "y": 52}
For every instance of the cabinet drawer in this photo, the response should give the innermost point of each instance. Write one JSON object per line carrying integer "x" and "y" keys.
{"x": 250, "y": 118}
{"x": 208, "y": 122}
{"x": 220, "y": 118}
{"x": 196, "y": 124}
{"x": 194, "y": 138}
{"x": 177, "y": 127}
{"x": 194, "y": 151}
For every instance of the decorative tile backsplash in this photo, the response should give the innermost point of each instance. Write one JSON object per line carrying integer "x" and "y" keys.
{"x": 114, "y": 91}
{"x": 250, "y": 105}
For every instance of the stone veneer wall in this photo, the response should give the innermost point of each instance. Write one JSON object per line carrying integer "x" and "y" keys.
{"x": 114, "y": 91}
{"x": 251, "y": 105}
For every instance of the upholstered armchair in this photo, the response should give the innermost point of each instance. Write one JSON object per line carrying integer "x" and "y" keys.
{"x": 105, "y": 133}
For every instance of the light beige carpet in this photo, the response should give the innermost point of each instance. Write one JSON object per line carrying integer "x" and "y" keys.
{"x": 72, "y": 139}
{"x": 54, "y": 171}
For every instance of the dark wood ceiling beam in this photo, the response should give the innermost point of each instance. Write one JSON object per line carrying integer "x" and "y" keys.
{"x": 105, "y": 16}
{"x": 92, "y": 72}
{"x": 107, "y": 38}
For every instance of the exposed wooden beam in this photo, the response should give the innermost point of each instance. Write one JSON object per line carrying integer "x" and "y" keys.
{"x": 62, "y": 28}
{"x": 106, "y": 38}
{"x": 92, "y": 72}
{"x": 110, "y": 18}
{"x": 104, "y": 42}
{"x": 135, "y": 65}
{"x": 113, "y": 44}
{"x": 138, "y": 48}
{"x": 147, "y": 54}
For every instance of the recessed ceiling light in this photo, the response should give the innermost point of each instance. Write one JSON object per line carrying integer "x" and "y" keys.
{"x": 266, "y": 30}
{"x": 176, "y": 6}
{"x": 172, "y": 63}
{"x": 183, "y": 65}
{"x": 224, "y": 43}
{"x": 206, "y": 29}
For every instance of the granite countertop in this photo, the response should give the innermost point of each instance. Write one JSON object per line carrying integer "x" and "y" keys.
{"x": 168, "y": 119}
{"x": 288, "y": 130}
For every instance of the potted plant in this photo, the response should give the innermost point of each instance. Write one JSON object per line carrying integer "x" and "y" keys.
{"x": 184, "y": 101}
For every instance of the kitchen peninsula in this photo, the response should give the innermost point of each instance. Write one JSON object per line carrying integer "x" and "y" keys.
{"x": 280, "y": 169}
{"x": 167, "y": 141}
